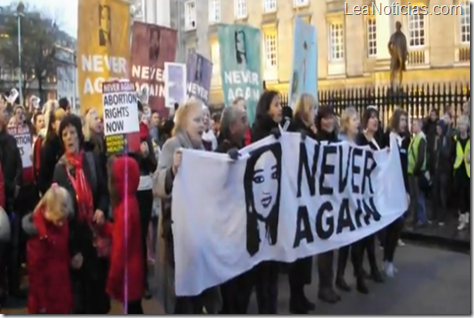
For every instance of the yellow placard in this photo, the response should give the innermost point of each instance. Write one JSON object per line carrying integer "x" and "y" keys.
{"x": 103, "y": 47}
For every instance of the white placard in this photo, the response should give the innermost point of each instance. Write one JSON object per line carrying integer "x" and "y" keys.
{"x": 24, "y": 143}
{"x": 175, "y": 84}
{"x": 120, "y": 108}
{"x": 281, "y": 200}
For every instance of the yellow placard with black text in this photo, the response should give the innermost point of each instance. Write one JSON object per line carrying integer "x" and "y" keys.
{"x": 103, "y": 47}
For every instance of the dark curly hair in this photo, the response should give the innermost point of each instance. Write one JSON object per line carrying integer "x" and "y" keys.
{"x": 74, "y": 121}
{"x": 264, "y": 103}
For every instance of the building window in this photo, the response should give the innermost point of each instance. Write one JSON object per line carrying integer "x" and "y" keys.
{"x": 215, "y": 58}
{"x": 416, "y": 30}
{"x": 240, "y": 9}
{"x": 214, "y": 11}
{"x": 336, "y": 41}
{"x": 371, "y": 38}
{"x": 190, "y": 15}
{"x": 270, "y": 54}
{"x": 466, "y": 23}
{"x": 269, "y": 6}
{"x": 300, "y": 3}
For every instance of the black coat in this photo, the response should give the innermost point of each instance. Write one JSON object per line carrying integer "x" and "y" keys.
{"x": 50, "y": 153}
{"x": 90, "y": 280}
{"x": 297, "y": 125}
{"x": 403, "y": 150}
{"x": 262, "y": 128}
{"x": 12, "y": 168}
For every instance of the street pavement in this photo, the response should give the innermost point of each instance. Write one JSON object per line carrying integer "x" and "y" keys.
{"x": 429, "y": 282}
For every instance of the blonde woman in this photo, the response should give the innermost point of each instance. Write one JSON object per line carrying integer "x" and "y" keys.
{"x": 93, "y": 139}
{"x": 349, "y": 130}
{"x": 50, "y": 151}
{"x": 187, "y": 133}
{"x": 300, "y": 271}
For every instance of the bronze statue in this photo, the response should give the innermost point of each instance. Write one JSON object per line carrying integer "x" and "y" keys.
{"x": 398, "y": 49}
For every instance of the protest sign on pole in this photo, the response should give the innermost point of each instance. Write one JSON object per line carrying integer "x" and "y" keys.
{"x": 282, "y": 200}
{"x": 152, "y": 46}
{"x": 23, "y": 142}
{"x": 240, "y": 56}
{"x": 121, "y": 122}
{"x": 199, "y": 75}
{"x": 103, "y": 47}
{"x": 304, "y": 77}
{"x": 175, "y": 88}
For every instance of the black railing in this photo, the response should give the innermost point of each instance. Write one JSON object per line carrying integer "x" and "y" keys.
{"x": 416, "y": 100}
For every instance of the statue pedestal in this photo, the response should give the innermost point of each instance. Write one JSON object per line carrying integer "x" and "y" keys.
{"x": 382, "y": 65}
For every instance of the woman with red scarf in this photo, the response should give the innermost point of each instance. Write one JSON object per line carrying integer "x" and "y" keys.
{"x": 79, "y": 172}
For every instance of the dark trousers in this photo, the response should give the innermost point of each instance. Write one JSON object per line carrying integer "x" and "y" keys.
{"x": 266, "y": 283}
{"x": 13, "y": 254}
{"x": 134, "y": 308}
{"x": 343, "y": 257}
{"x": 145, "y": 204}
{"x": 299, "y": 275}
{"x": 236, "y": 294}
{"x": 440, "y": 197}
{"x": 392, "y": 235}
{"x": 325, "y": 270}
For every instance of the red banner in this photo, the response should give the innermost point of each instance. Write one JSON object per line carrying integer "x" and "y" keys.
{"x": 152, "y": 46}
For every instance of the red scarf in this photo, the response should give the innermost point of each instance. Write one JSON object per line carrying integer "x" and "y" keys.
{"x": 81, "y": 187}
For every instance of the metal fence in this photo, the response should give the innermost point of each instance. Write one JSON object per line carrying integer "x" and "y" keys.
{"x": 416, "y": 100}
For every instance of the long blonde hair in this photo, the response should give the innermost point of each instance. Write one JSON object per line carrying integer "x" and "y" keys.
{"x": 56, "y": 202}
{"x": 183, "y": 112}
{"x": 345, "y": 120}
{"x": 86, "y": 129}
{"x": 50, "y": 108}
{"x": 303, "y": 107}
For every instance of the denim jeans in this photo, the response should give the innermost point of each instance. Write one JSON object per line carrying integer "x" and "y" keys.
{"x": 421, "y": 207}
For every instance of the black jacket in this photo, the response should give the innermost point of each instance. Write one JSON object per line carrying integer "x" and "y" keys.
{"x": 262, "y": 128}
{"x": 50, "y": 153}
{"x": 297, "y": 125}
{"x": 12, "y": 168}
{"x": 147, "y": 164}
{"x": 322, "y": 135}
{"x": 403, "y": 150}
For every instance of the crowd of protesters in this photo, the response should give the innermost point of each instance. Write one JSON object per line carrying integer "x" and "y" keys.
{"x": 82, "y": 224}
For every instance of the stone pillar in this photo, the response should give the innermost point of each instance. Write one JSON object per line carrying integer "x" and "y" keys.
{"x": 162, "y": 9}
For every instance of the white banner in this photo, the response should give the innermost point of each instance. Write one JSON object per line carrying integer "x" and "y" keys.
{"x": 120, "y": 111}
{"x": 282, "y": 200}
{"x": 24, "y": 143}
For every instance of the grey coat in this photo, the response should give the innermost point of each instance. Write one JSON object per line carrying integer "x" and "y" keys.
{"x": 163, "y": 186}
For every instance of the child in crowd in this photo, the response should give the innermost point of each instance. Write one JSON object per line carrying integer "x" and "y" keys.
{"x": 125, "y": 280}
{"x": 48, "y": 258}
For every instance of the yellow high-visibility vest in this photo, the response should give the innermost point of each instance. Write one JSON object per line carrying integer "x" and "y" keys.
{"x": 461, "y": 155}
{"x": 413, "y": 153}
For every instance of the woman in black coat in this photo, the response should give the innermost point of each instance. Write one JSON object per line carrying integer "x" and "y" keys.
{"x": 267, "y": 118}
{"x": 80, "y": 173}
{"x": 300, "y": 271}
{"x": 370, "y": 126}
{"x": 325, "y": 125}
{"x": 51, "y": 150}
{"x": 399, "y": 128}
